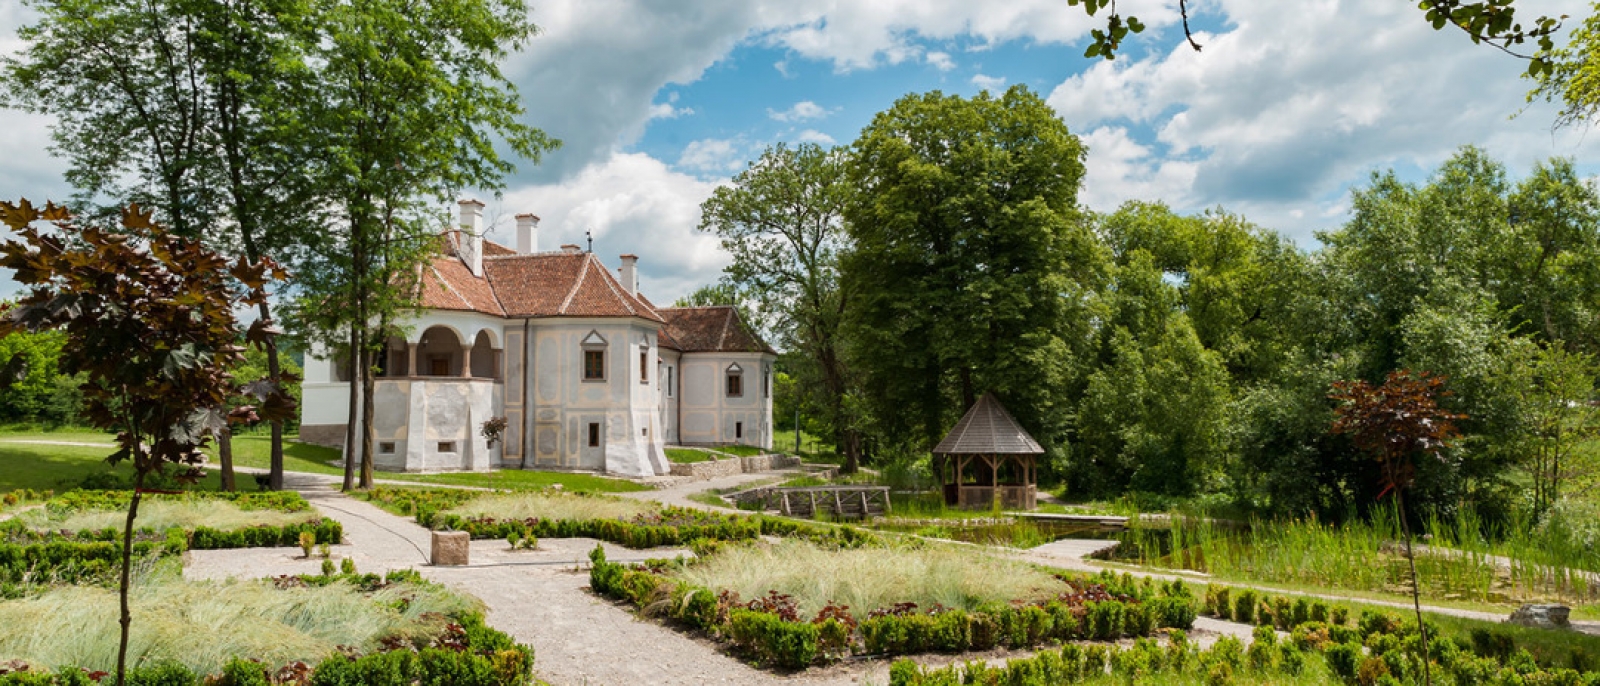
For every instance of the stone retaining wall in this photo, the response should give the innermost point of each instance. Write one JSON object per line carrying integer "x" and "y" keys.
{"x": 728, "y": 466}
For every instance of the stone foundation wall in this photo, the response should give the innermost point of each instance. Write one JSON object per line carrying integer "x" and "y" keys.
{"x": 326, "y": 435}
{"x": 729, "y": 466}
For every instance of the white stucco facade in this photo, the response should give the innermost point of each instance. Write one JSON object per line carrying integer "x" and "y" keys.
{"x": 595, "y": 386}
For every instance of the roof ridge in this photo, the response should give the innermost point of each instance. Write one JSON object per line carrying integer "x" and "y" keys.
{"x": 614, "y": 286}
{"x": 583, "y": 272}
{"x": 450, "y": 289}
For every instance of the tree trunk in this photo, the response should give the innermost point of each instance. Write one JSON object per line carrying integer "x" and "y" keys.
{"x": 225, "y": 456}
{"x": 126, "y": 619}
{"x": 369, "y": 429}
{"x": 350, "y": 417}
{"x": 1416, "y": 587}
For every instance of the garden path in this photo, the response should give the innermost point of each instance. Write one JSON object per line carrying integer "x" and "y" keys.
{"x": 678, "y": 494}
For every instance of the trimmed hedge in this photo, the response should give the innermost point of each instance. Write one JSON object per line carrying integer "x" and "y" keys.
{"x": 325, "y": 530}
{"x": 673, "y": 526}
{"x": 770, "y": 630}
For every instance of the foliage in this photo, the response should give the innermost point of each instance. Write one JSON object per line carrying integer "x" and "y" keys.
{"x": 773, "y": 629}
{"x": 782, "y": 221}
{"x": 970, "y": 270}
{"x": 149, "y": 320}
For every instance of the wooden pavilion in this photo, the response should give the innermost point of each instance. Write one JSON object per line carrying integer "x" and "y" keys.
{"x": 988, "y": 456}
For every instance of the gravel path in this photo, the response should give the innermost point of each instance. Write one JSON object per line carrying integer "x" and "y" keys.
{"x": 541, "y": 597}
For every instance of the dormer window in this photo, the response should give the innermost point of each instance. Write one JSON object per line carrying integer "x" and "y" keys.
{"x": 735, "y": 387}
{"x": 594, "y": 357}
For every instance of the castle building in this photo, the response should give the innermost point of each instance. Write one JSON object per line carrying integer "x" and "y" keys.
{"x": 587, "y": 372}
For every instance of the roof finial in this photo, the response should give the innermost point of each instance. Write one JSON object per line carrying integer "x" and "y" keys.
{"x": 589, "y": 235}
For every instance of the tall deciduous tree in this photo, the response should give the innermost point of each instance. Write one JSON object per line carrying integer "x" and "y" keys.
{"x": 1397, "y": 423}
{"x": 411, "y": 106}
{"x": 149, "y": 319}
{"x": 185, "y": 106}
{"x": 971, "y": 269}
{"x": 782, "y": 220}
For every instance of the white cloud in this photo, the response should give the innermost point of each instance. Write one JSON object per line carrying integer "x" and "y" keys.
{"x": 632, "y": 203}
{"x": 665, "y": 110}
{"x": 801, "y": 111}
{"x": 991, "y": 83}
{"x": 713, "y": 155}
{"x": 940, "y": 60}
{"x": 1294, "y": 103}
{"x": 815, "y": 136}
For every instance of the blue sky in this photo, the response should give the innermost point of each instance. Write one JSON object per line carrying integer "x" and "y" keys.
{"x": 1289, "y": 106}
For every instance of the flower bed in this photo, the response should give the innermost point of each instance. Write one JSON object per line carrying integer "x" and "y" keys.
{"x": 670, "y": 526}
{"x": 1380, "y": 650}
{"x": 772, "y": 630}
{"x": 90, "y": 555}
{"x": 456, "y": 648}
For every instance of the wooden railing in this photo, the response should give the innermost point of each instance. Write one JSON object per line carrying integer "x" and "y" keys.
{"x": 839, "y": 501}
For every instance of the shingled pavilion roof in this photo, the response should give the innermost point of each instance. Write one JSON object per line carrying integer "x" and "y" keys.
{"x": 988, "y": 429}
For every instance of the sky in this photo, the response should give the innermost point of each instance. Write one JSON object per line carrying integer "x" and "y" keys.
{"x": 1288, "y": 106}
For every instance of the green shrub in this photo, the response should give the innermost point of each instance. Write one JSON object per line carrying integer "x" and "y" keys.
{"x": 1174, "y": 612}
{"x": 1244, "y": 608}
{"x": 241, "y": 672}
{"x": 1140, "y": 620}
{"x": 790, "y": 645}
{"x": 1105, "y": 619}
{"x": 1222, "y": 606}
{"x": 1343, "y": 659}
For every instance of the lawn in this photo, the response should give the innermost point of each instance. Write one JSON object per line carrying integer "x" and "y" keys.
{"x": 687, "y": 455}
{"x": 62, "y": 467}
{"x": 27, "y": 461}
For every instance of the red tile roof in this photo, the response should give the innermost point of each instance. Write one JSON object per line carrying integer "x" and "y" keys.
{"x": 710, "y": 329}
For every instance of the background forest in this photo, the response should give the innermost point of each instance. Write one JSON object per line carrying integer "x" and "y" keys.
{"x": 1167, "y": 358}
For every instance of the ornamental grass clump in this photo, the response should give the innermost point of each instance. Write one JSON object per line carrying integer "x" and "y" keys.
{"x": 161, "y": 515}
{"x": 871, "y": 577}
{"x": 203, "y": 625}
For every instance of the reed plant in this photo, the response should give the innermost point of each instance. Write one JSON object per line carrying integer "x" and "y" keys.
{"x": 549, "y": 505}
{"x": 1464, "y": 559}
{"x": 870, "y": 578}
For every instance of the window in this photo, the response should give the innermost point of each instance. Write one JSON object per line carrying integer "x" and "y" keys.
{"x": 594, "y": 357}
{"x": 735, "y": 381}
{"x": 766, "y": 384}
{"x": 670, "y": 390}
{"x": 447, "y": 446}
{"x": 738, "y": 430}
{"x": 644, "y": 366}
{"x": 594, "y": 434}
{"x": 386, "y": 447}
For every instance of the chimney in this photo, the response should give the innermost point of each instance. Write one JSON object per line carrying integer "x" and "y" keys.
{"x": 629, "y": 274}
{"x": 527, "y": 234}
{"x": 570, "y": 248}
{"x": 470, "y": 246}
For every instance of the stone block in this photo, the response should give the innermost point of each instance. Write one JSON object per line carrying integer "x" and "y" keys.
{"x": 1542, "y": 616}
{"x": 450, "y": 548}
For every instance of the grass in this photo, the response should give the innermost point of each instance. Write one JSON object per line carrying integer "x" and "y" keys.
{"x": 524, "y": 480}
{"x": 872, "y": 577}
{"x": 811, "y": 447}
{"x": 1361, "y": 556}
{"x": 166, "y": 514}
{"x": 203, "y": 625}
{"x": 740, "y": 450}
{"x": 62, "y": 467}
{"x": 553, "y": 506}
{"x": 687, "y": 455}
